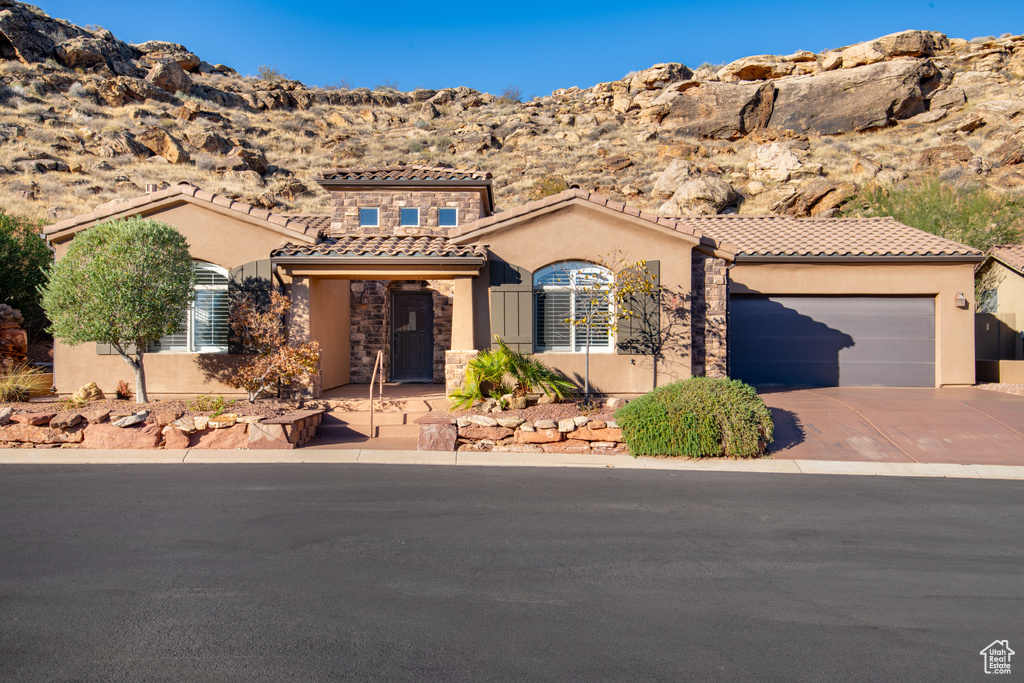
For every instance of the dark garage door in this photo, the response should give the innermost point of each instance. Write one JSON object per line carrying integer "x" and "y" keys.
{"x": 832, "y": 341}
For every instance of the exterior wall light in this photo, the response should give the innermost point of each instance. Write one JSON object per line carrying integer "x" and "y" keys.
{"x": 961, "y": 300}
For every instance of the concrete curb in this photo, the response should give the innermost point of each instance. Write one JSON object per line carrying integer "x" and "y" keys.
{"x": 25, "y": 456}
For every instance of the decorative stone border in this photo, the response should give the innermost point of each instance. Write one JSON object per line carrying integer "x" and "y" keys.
{"x": 92, "y": 430}
{"x": 513, "y": 434}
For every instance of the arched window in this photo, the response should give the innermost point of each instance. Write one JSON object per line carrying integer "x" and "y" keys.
{"x": 205, "y": 326}
{"x": 571, "y": 290}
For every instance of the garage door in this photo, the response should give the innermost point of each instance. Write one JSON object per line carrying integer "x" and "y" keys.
{"x": 832, "y": 341}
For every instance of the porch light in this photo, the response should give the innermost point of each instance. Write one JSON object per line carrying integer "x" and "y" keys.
{"x": 961, "y": 300}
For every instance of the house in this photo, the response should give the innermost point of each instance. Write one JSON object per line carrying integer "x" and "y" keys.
{"x": 413, "y": 261}
{"x": 1000, "y": 315}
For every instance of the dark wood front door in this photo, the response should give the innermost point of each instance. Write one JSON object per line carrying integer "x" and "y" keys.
{"x": 412, "y": 346}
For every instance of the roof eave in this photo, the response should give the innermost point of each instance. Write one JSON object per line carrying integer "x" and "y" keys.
{"x": 301, "y": 259}
{"x": 837, "y": 258}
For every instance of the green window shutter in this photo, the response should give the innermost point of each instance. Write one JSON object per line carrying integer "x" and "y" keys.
{"x": 640, "y": 334}
{"x": 256, "y": 278}
{"x": 512, "y": 305}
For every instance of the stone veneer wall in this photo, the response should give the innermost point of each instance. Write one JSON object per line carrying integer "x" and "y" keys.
{"x": 455, "y": 369}
{"x": 709, "y": 311}
{"x": 345, "y": 207}
{"x": 371, "y": 324}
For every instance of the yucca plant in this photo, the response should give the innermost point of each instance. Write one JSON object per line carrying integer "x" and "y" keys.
{"x": 531, "y": 375}
{"x": 503, "y": 371}
{"x": 21, "y": 381}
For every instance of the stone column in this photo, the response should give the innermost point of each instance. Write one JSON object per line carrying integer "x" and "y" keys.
{"x": 299, "y": 332}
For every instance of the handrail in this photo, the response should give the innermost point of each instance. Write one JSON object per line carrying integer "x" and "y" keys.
{"x": 379, "y": 363}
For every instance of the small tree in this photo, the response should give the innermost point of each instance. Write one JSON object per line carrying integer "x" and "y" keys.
{"x": 601, "y": 301}
{"x": 24, "y": 262}
{"x": 125, "y": 283}
{"x": 261, "y": 330}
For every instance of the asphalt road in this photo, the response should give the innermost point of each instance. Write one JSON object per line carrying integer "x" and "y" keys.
{"x": 359, "y": 572}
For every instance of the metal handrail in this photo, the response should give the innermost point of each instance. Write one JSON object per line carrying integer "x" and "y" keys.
{"x": 379, "y": 363}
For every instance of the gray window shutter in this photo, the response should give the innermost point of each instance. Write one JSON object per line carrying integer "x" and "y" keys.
{"x": 512, "y": 305}
{"x": 255, "y": 278}
{"x": 640, "y": 334}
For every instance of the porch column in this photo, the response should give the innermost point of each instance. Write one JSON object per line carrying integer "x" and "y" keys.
{"x": 299, "y": 332}
{"x": 462, "y": 349}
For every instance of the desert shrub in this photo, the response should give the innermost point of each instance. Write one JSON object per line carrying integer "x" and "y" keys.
{"x": 550, "y": 185}
{"x": 270, "y": 74}
{"x": 511, "y": 94}
{"x": 124, "y": 392}
{"x": 698, "y": 417}
{"x": 20, "y": 381}
{"x": 25, "y": 261}
{"x": 503, "y": 371}
{"x": 971, "y": 215}
{"x": 209, "y": 403}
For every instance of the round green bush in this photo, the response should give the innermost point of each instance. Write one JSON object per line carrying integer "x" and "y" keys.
{"x": 698, "y": 417}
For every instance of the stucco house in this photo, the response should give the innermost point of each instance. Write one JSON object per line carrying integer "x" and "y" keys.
{"x": 413, "y": 261}
{"x": 1000, "y": 315}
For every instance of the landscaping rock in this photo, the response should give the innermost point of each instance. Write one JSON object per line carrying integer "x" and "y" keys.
{"x": 5, "y": 415}
{"x": 588, "y": 434}
{"x": 483, "y": 420}
{"x": 174, "y": 438}
{"x": 463, "y": 422}
{"x": 566, "y": 425}
{"x": 268, "y": 437}
{"x": 109, "y": 437}
{"x": 200, "y": 422}
{"x": 236, "y": 436}
{"x": 66, "y": 420}
{"x": 166, "y": 417}
{"x": 222, "y": 421}
{"x": 545, "y": 424}
{"x": 510, "y": 422}
{"x": 538, "y": 436}
{"x": 38, "y": 435}
{"x": 437, "y": 435}
{"x": 527, "y": 427}
{"x": 131, "y": 420}
{"x": 34, "y": 419}
{"x": 97, "y": 416}
{"x": 88, "y": 392}
{"x": 186, "y": 424}
{"x": 567, "y": 447}
{"x": 580, "y": 420}
{"x": 615, "y": 402}
{"x": 478, "y": 432}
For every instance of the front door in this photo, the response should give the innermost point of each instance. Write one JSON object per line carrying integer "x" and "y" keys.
{"x": 412, "y": 347}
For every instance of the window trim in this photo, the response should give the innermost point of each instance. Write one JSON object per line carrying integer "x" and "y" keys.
{"x": 575, "y": 345}
{"x": 447, "y": 208}
{"x": 401, "y": 221}
{"x": 376, "y": 217}
{"x": 191, "y": 347}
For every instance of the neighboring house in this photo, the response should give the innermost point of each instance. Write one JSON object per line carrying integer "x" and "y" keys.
{"x": 413, "y": 261}
{"x": 1000, "y": 318}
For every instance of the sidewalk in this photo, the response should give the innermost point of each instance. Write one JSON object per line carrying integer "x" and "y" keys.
{"x": 381, "y": 457}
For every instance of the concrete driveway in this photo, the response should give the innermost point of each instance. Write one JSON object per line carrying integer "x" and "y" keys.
{"x": 965, "y": 425}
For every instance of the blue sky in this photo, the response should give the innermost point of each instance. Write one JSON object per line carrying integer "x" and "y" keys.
{"x": 534, "y": 45}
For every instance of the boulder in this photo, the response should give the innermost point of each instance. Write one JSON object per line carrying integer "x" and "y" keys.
{"x": 33, "y": 419}
{"x": 66, "y": 420}
{"x": 208, "y": 141}
{"x": 236, "y": 436}
{"x": 701, "y": 196}
{"x": 222, "y": 421}
{"x": 170, "y": 77}
{"x": 946, "y": 156}
{"x": 1010, "y": 152}
{"x": 856, "y": 99}
{"x": 120, "y": 143}
{"x": 659, "y": 76}
{"x": 163, "y": 144}
{"x": 757, "y": 68}
{"x": 90, "y": 52}
{"x": 268, "y": 437}
{"x": 131, "y": 420}
{"x": 243, "y": 158}
{"x": 174, "y": 438}
{"x": 815, "y": 197}
{"x": 716, "y": 110}
{"x": 25, "y": 433}
{"x": 773, "y": 161}
{"x": 109, "y": 437}
{"x": 948, "y": 99}
{"x": 905, "y": 43}
{"x": 678, "y": 172}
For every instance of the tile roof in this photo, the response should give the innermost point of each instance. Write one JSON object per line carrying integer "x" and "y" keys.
{"x": 135, "y": 205}
{"x": 384, "y": 173}
{"x": 1010, "y": 254}
{"x": 354, "y": 245}
{"x": 315, "y": 221}
{"x": 785, "y": 236}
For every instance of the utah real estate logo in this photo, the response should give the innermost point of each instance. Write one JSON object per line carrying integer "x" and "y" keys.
{"x": 997, "y": 657}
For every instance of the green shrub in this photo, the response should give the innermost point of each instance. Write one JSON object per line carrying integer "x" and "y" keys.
{"x": 504, "y": 371}
{"x": 25, "y": 261}
{"x": 209, "y": 403}
{"x": 698, "y": 417}
{"x": 972, "y": 215}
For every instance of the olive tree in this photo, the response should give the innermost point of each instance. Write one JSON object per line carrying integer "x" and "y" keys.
{"x": 126, "y": 283}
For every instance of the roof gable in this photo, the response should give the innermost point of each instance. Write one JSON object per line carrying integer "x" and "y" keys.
{"x": 478, "y": 230}
{"x": 1010, "y": 255}
{"x": 292, "y": 228}
{"x": 400, "y": 173}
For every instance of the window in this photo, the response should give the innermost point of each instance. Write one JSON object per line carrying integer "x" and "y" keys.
{"x": 369, "y": 218}
{"x": 205, "y": 326}
{"x": 573, "y": 289}
{"x": 988, "y": 301}
{"x": 410, "y": 217}
{"x": 447, "y": 218}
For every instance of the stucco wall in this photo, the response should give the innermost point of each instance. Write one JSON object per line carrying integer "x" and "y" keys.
{"x": 1010, "y": 288}
{"x": 954, "y": 334}
{"x": 213, "y": 236}
{"x": 329, "y": 326}
{"x": 587, "y": 233}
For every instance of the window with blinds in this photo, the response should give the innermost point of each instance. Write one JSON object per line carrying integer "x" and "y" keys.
{"x": 205, "y": 326}
{"x": 572, "y": 291}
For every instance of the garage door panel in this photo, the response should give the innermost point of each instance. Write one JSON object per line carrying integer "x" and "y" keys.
{"x": 833, "y": 341}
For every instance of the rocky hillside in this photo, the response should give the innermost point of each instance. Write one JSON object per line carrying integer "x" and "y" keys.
{"x": 86, "y": 118}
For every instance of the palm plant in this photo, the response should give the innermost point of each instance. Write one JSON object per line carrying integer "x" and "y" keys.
{"x": 504, "y": 371}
